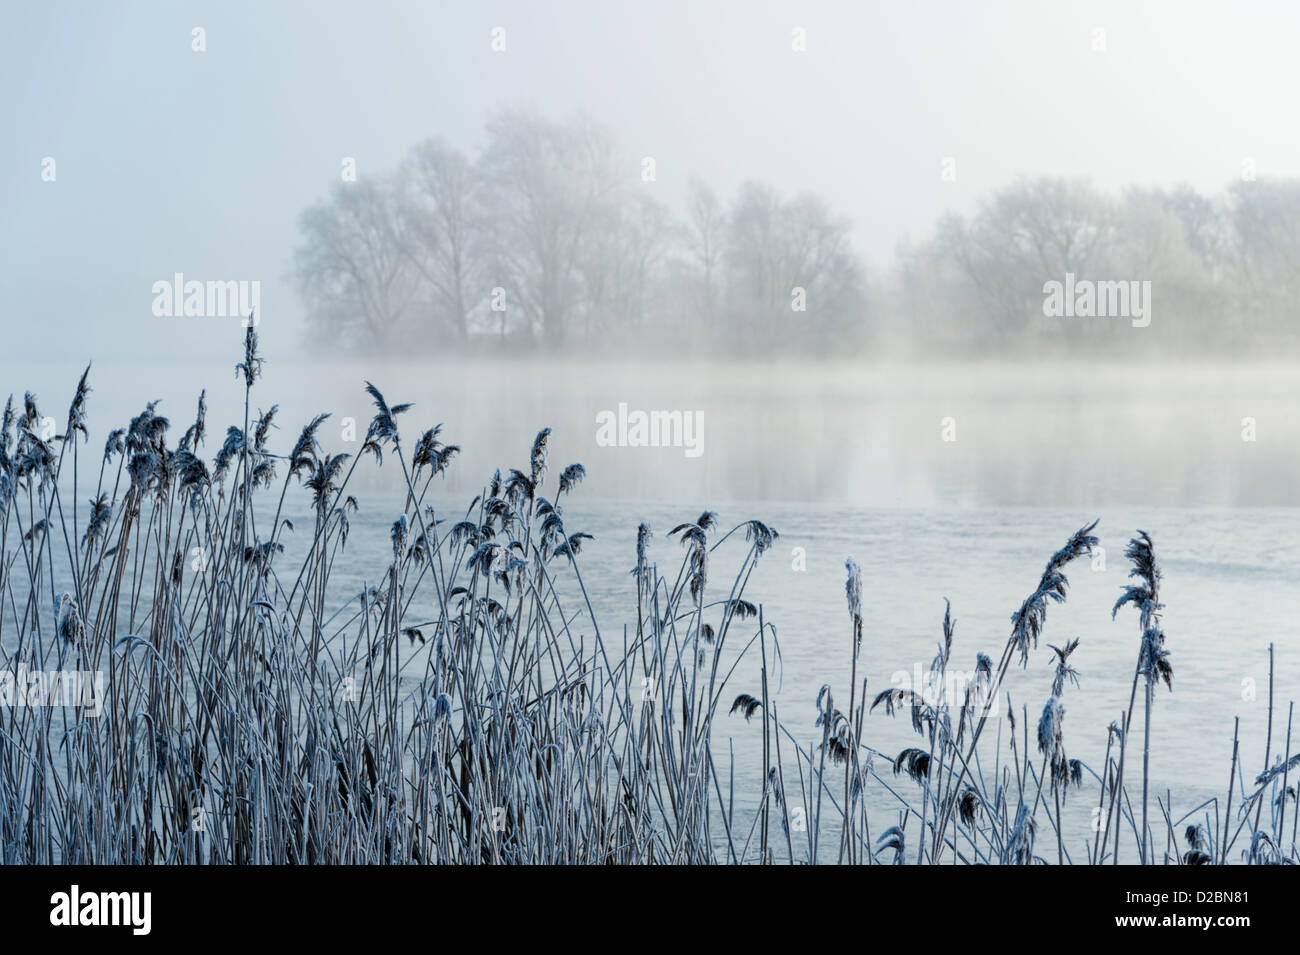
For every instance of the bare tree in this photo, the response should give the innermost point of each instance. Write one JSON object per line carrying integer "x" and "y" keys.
{"x": 755, "y": 254}
{"x": 705, "y": 239}
{"x": 820, "y": 259}
{"x": 443, "y": 234}
{"x": 623, "y": 264}
{"x": 547, "y": 182}
{"x": 350, "y": 265}
{"x": 1264, "y": 218}
{"x": 1023, "y": 236}
{"x": 777, "y": 247}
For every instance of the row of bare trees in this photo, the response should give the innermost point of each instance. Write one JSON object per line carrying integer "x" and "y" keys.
{"x": 550, "y": 238}
{"x": 545, "y": 238}
{"x": 1224, "y": 270}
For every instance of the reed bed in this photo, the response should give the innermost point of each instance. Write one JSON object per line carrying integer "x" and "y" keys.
{"x": 461, "y": 710}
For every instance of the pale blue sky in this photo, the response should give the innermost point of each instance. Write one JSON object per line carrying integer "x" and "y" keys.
{"x": 170, "y": 160}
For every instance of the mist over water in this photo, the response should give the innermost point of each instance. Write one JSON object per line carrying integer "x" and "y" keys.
{"x": 856, "y": 432}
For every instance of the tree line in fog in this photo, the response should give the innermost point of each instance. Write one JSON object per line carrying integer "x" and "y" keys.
{"x": 544, "y": 240}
